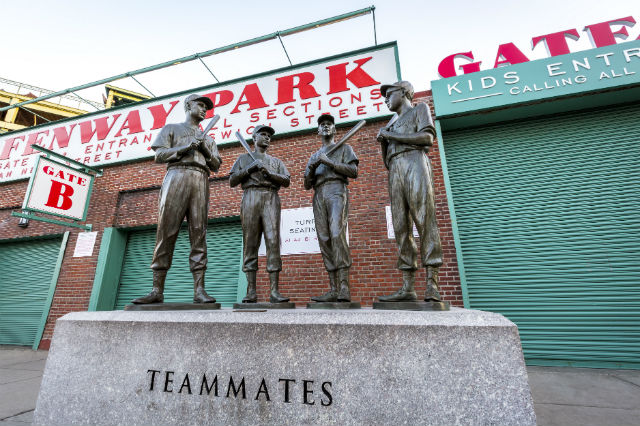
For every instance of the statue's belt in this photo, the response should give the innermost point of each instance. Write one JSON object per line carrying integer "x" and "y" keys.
{"x": 202, "y": 169}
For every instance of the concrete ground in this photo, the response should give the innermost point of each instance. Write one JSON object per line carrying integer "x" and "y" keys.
{"x": 20, "y": 376}
{"x": 562, "y": 396}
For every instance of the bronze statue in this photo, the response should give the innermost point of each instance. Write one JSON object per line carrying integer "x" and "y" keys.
{"x": 328, "y": 172}
{"x": 405, "y": 142}
{"x": 191, "y": 156}
{"x": 261, "y": 176}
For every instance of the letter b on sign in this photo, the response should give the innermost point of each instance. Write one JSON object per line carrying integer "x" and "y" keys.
{"x": 60, "y": 196}
{"x": 56, "y": 188}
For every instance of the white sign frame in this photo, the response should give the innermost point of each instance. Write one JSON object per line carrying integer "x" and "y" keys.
{"x": 40, "y": 181}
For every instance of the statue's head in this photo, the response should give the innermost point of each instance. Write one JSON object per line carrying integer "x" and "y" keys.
{"x": 262, "y": 135}
{"x": 326, "y": 125}
{"x": 197, "y": 105}
{"x": 397, "y": 93}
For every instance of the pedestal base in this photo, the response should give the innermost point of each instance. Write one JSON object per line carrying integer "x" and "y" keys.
{"x": 333, "y": 305}
{"x": 172, "y": 306}
{"x": 418, "y": 305}
{"x": 285, "y": 367}
{"x": 285, "y": 305}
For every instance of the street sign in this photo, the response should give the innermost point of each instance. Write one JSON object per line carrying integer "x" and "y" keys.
{"x": 58, "y": 189}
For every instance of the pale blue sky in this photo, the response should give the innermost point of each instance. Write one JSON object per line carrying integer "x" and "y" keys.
{"x": 70, "y": 42}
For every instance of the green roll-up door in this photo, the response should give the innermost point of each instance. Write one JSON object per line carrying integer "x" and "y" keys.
{"x": 548, "y": 213}
{"x": 224, "y": 245}
{"x": 26, "y": 271}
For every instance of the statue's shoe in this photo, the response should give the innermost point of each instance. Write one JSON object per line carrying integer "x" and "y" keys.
{"x": 201, "y": 296}
{"x": 344, "y": 295}
{"x": 330, "y": 296}
{"x": 250, "y": 298}
{"x": 432, "y": 294}
{"x": 400, "y": 296}
{"x": 152, "y": 297}
{"x": 277, "y": 298}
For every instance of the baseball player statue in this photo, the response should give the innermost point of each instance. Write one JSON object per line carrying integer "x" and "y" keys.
{"x": 191, "y": 156}
{"x": 328, "y": 172}
{"x": 405, "y": 142}
{"x": 260, "y": 176}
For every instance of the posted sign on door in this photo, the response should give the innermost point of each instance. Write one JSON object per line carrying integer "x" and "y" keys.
{"x": 59, "y": 190}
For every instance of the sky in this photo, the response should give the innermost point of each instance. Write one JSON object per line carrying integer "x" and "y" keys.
{"x": 66, "y": 43}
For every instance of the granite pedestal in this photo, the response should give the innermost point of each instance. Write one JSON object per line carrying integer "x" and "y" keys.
{"x": 285, "y": 367}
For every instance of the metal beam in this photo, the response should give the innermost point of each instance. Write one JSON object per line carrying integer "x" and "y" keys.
{"x": 143, "y": 86}
{"x": 375, "y": 33}
{"x": 47, "y": 91}
{"x": 86, "y": 227}
{"x": 323, "y": 22}
{"x": 285, "y": 49}
{"x": 208, "y": 69}
{"x": 216, "y": 51}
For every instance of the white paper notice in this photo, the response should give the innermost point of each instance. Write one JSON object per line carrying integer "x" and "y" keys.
{"x": 85, "y": 243}
{"x": 297, "y": 233}
{"x": 390, "y": 233}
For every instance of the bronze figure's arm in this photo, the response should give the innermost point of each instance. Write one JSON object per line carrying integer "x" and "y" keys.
{"x": 164, "y": 152}
{"x": 310, "y": 172}
{"x": 384, "y": 143}
{"x": 424, "y": 138}
{"x": 211, "y": 156}
{"x": 238, "y": 174}
{"x": 281, "y": 177}
{"x": 349, "y": 170}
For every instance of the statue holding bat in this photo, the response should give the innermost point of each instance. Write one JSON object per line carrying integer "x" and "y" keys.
{"x": 328, "y": 172}
{"x": 261, "y": 176}
{"x": 191, "y": 156}
{"x": 405, "y": 142}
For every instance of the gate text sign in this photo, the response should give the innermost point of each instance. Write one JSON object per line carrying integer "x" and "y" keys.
{"x": 289, "y": 100}
{"x": 591, "y": 70}
{"x": 59, "y": 190}
{"x": 601, "y": 34}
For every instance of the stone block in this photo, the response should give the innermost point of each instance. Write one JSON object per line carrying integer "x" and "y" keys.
{"x": 285, "y": 367}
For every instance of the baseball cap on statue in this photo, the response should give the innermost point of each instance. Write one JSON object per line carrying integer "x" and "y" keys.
{"x": 326, "y": 116}
{"x": 408, "y": 88}
{"x": 193, "y": 97}
{"x": 262, "y": 127}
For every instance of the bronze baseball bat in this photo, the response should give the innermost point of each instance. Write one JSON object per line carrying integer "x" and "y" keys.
{"x": 347, "y": 136}
{"x": 245, "y": 145}
{"x": 212, "y": 123}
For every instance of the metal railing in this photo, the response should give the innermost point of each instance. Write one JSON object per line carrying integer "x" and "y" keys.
{"x": 198, "y": 56}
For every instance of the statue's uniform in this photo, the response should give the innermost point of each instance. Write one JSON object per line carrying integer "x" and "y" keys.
{"x": 411, "y": 192}
{"x": 260, "y": 212}
{"x": 331, "y": 207}
{"x": 184, "y": 192}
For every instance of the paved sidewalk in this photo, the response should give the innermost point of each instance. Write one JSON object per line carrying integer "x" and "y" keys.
{"x": 20, "y": 376}
{"x": 562, "y": 396}
{"x": 585, "y": 396}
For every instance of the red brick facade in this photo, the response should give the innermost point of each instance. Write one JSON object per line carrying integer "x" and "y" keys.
{"x": 126, "y": 196}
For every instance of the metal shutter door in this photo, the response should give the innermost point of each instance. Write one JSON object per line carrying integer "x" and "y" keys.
{"x": 224, "y": 246}
{"x": 26, "y": 270}
{"x": 548, "y": 212}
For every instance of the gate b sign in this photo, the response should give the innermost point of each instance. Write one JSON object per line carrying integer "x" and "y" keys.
{"x": 59, "y": 190}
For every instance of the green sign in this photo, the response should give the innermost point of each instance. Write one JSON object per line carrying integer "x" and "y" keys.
{"x": 592, "y": 70}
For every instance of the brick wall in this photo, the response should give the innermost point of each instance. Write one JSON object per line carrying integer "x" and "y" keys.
{"x": 126, "y": 196}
